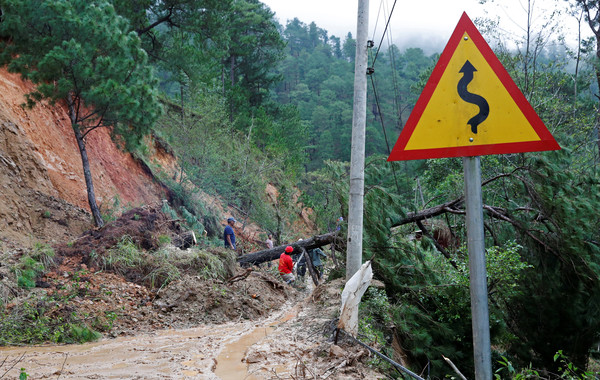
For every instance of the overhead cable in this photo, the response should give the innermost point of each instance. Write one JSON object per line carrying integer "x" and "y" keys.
{"x": 384, "y": 31}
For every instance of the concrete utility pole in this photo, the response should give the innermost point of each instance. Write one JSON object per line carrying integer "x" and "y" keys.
{"x": 357, "y": 157}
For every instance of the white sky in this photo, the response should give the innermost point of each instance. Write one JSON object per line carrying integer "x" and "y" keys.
{"x": 417, "y": 23}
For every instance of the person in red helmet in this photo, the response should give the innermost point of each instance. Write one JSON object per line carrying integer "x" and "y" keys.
{"x": 286, "y": 265}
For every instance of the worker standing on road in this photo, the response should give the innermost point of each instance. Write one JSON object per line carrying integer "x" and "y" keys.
{"x": 315, "y": 256}
{"x": 286, "y": 265}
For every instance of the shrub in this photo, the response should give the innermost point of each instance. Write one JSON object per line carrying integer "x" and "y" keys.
{"x": 33, "y": 265}
{"x": 28, "y": 324}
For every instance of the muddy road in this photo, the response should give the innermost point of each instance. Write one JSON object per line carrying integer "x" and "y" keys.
{"x": 293, "y": 342}
{"x": 208, "y": 352}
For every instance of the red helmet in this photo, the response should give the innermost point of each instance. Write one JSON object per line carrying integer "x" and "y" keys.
{"x": 289, "y": 249}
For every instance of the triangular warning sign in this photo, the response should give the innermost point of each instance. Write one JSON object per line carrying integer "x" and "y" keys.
{"x": 470, "y": 106}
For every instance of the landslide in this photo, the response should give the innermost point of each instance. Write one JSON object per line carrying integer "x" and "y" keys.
{"x": 126, "y": 278}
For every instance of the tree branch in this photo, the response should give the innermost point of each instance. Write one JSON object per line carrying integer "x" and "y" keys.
{"x": 165, "y": 18}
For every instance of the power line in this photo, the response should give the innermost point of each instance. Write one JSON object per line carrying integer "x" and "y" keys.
{"x": 384, "y": 31}
{"x": 384, "y": 131}
{"x": 394, "y": 78}
{"x": 377, "y": 20}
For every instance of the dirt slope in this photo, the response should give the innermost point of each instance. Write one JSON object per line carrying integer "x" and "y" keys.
{"x": 41, "y": 178}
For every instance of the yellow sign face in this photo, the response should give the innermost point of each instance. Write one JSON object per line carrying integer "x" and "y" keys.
{"x": 470, "y": 106}
{"x": 444, "y": 121}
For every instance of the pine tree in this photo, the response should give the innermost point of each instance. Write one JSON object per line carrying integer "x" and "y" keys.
{"x": 79, "y": 53}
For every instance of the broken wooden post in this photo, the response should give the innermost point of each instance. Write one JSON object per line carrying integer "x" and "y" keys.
{"x": 311, "y": 267}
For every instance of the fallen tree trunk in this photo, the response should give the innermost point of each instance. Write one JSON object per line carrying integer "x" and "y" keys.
{"x": 274, "y": 253}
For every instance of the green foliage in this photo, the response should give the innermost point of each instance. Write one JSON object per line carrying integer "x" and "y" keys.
{"x": 123, "y": 256}
{"x": 158, "y": 268}
{"x": 235, "y": 166}
{"x": 164, "y": 240}
{"x": 27, "y": 323}
{"x": 318, "y": 80}
{"x": 214, "y": 263}
{"x": 375, "y": 321}
{"x": 112, "y": 212}
{"x": 83, "y": 334}
{"x": 32, "y": 265}
{"x": 155, "y": 269}
{"x": 566, "y": 370}
{"x": 23, "y": 374}
{"x": 80, "y": 52}
{"x": 255, "y": 46}
{"x": 326, "y": 192}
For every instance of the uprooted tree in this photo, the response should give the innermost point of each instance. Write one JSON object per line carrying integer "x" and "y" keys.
{"x": 79, "y": 53}
{"x": 274, "y": 253}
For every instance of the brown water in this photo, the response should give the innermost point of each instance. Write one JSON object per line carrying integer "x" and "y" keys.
{"x": 229, "y": 363}
{"x": 165, "y": 355}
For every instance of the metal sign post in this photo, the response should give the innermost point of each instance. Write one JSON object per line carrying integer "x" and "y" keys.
{"x": 444, "y": 124}
{"x": 477, "y": 269}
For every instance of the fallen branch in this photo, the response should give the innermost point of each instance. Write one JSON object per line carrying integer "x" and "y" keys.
{"x": 413, "y": 217}
{"x": 452, "y": 206}
{"x": 454, "y": 368}
{"x": 13, "y": 364}
{"x": 240, "y": 277}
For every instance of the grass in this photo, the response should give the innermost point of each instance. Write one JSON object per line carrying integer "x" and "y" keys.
{"x": 207, "y": 264}
{"x": 158, "y": 268}
{"x": 123, "y": 256}
{"x": 49, "y": 318}
{"x": 34, "y": 264}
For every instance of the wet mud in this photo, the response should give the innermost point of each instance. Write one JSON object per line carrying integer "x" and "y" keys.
{"x": 166, "y": 354}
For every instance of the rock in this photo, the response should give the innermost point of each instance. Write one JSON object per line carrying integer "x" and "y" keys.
{"x": 337, "y": 351}
{"x": 255, "y": 357}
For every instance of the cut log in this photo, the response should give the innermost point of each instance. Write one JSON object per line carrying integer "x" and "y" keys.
{"x": 185, "y": 240}
{"x": 274, "y": 253}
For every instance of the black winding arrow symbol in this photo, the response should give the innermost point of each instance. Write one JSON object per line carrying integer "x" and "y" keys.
{"x": 484, "y": 107}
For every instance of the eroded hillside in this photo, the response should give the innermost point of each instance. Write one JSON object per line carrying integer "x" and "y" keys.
{"x": 41, "y": 177}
